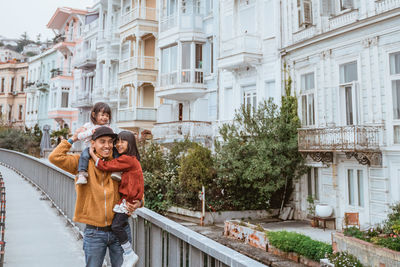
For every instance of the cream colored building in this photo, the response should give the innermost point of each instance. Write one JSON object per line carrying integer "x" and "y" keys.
{"x": 138, "y": 65}
{"x": 13, "y": 76}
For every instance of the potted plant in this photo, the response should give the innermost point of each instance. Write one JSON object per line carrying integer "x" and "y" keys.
{"x": 311, "y": 210}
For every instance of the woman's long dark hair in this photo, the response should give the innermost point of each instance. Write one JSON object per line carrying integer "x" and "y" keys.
{"x": 100, "y": 107}
{"x": 131, "y": 139}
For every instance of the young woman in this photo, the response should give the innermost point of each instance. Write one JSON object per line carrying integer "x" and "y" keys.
{"x": 131, "y": 187}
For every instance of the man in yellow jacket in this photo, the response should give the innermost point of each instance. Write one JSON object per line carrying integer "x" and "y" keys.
{"x": 95, "y": 200}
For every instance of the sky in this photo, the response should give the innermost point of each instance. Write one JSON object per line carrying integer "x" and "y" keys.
{"x": 18, "y": 16}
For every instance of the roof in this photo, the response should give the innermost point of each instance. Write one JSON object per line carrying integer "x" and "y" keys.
{"x": 61, "y": 15}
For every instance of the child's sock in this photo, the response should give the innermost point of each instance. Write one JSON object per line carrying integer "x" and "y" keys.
{"x": 127, "y": 247}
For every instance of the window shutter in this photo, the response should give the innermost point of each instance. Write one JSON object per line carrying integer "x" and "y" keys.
{"x": 347, "y": 4}
{"x": 327, "y": 7}
{"x": 307, "y": 12}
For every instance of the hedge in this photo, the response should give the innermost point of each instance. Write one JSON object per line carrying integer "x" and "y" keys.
{"x": 301, "y": 244}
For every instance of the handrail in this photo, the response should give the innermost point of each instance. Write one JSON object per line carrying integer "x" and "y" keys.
{"x": 157, "y": 240}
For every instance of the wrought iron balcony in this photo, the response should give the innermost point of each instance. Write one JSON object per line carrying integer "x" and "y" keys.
{"x": 362, "y": 142}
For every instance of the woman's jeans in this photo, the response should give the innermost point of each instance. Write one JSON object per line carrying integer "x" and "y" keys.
{"x": 95, "y": 244}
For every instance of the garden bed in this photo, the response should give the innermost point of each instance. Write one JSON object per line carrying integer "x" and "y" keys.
{"x": 289, "y": 245}
{"x": 368, "y": 253}
{"x": 222, "y": 216}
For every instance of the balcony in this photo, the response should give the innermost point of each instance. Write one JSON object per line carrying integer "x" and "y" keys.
{"x": 362, "y": 142}
{"x": 83, "y": 100}
{"x": 189, "y": 85}
{"x": 65, "y": 47}
{"x": 43, "y": 87}
{"x": 179, "y": 130}
{"x": 386, "y": 5}
{"x": 240, "y": 51}
{"x": 343, "y": 19}
{"x": 304, "y": 34}
{"x": 143, "y": 13}
{"x": 91, "y": 27}
{"x": 59, "y": 73}
{"x": 87, "y": 60}
{"x": 169, "y": 22}
{"x": 148, "y": 63}
{"x": 137, "y": 114}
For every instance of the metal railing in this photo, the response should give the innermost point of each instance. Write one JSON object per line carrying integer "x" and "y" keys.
{"x": 157, "y": 240}
{"x": 345, "y": 138}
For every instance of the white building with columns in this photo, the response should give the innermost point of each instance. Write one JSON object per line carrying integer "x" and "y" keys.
{"x": 344, "y": 59}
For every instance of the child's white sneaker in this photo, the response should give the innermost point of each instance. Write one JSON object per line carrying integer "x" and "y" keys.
{"x": 82, "y": 178}
{"x": 130, "y": 259}
{"x": 116, "y": 176}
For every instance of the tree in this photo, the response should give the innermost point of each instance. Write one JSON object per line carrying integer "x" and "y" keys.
{"x": 258, "y": 158}
{"x": 38, "y": 37}
{"x": 22, "y": 42}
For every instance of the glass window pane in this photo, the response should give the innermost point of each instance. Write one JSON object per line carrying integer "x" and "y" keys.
{"x": 396, "y": 99}
{"x": 174, "y": 58}
{"x": 348, "y": 72}
{"x": 316, "y": 183}
{"x": 349, "y": 106}
{"x": 396, "y": 134}
{"x": 360, "y": 188}
{"x": 309, "y": 183}
{"x": 165, "y": 61}
{"x": 304, "y": 109}
{"x": 350, "y": 186}
{"x": 185, "y": 56}
{"x": 395, "y": 63}
{"x": 199, "y": 56}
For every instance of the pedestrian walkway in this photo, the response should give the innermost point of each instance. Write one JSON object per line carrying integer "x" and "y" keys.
{"x": 36, "y": 235}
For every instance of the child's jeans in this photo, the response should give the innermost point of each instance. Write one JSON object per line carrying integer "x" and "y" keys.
{"x": 84, "y": 160}
{"x": 85, "y": 157}
{"x": 118, "y": 227}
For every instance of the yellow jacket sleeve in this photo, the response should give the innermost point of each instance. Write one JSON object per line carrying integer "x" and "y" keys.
{"x": 61, "y": 159}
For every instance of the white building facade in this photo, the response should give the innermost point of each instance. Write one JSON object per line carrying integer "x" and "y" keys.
{"x": 344, "y": 59}
{"x": 188, "y": 77}
{"x": 248, "y": 62}
{"x": 37, "y": 91}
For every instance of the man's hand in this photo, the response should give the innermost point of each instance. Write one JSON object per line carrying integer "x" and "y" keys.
{"x": 92, "y": 154}
{"x": 132, "y": 206}
{"x": 77, "y": 131}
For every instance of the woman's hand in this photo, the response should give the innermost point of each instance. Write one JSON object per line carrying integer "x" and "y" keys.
{"x": 132, "y": 206}
{"x": 92, "y": 154}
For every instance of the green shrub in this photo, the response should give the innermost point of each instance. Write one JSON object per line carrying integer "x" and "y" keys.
{"x": 355, "y": 232}
{"x": 344, "y": 259}
{"x": 301, "y": 244}
{"x": 23, "y": 141}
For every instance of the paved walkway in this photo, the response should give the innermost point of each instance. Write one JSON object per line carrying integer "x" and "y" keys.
{"x": 35, "y": 234}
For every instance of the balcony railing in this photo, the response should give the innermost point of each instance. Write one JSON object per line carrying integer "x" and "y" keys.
{"x": 246, "y": 43}
{"x": 169, "y": 22}
{"x": 139, "y": 13}
{"x": 304, "y": 34}
{"x": 386, "y": 5}
{"x": 91, "y": 27}
{"x": 186, "y": 76}
{"x": 344, "y": 139}
{"x": 181, "y": 129}
{"x": 58, "y": 72}
{"x": 137, "y": 114}
{"x": 83, "y": 99}
{"x": 145, "y": 62}
{"x": 343, "y": 19}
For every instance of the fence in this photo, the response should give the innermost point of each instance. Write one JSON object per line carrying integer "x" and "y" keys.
{"x": 157, "y": 240}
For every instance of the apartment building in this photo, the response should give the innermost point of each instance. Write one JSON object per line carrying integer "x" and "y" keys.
{"x": 187, "y": 70}
{"x": 13, "y": 76}
{"x": 68, "y": 24}
{"x": 344, "y": 59}
{"x": 138, "y": 65}
{"x": 248, "y": 60}
{"x": 38, "y": 88}
{"x": 8, "y": 54}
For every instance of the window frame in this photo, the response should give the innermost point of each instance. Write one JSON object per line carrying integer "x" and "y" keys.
{"x": 355, "y": 96}
{"x": 313, "y": 183}
{"x": 355, "y": 194}
{"x": 393, "y": 77}
{"x": 307, "y": 94}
